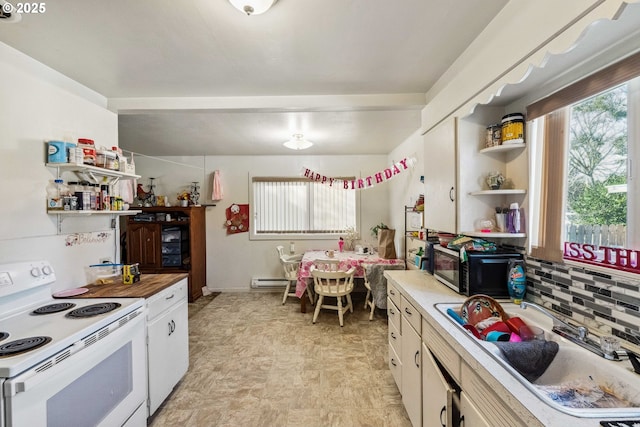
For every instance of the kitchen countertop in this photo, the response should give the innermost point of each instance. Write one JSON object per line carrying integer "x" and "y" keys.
{"x": 424, "y": 291}
{"x": 148, "y": 285}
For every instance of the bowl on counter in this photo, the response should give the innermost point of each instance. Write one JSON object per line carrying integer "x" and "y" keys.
{"x": 445, "y": 238}
{"x": 103, "y": 274}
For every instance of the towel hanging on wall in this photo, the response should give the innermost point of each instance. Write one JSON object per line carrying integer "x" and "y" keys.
{"x": 126, "y": 190}
{"x": 217, "y": 187}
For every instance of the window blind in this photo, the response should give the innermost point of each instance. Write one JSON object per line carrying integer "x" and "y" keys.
{"x": 284, "y": 205}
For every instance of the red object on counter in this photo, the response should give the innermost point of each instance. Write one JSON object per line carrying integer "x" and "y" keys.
{"x": 88, "y": 150}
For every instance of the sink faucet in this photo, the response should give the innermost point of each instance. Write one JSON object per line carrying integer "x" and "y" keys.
{"x": 580, "y": 335}
{"x": 579, "y": 332}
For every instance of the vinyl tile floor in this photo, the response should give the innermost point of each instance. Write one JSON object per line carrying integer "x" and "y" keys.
{"x": 256, "y": 362}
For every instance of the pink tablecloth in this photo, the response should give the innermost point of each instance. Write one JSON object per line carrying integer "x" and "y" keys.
{"x": 347, "y": 260}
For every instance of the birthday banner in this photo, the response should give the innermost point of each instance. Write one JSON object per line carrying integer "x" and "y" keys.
{"x": 362, "y": 183}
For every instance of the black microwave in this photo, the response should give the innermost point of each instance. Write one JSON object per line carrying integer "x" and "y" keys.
{"x": 482, "y": 273}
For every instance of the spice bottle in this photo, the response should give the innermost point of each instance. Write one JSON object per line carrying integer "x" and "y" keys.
{"x": 104, "y": 195}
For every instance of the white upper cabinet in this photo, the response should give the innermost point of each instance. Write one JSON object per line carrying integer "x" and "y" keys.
{"x": 440, "y": 193}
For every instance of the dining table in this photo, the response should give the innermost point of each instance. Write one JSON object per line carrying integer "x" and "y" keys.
{"x": 347, "y": 259}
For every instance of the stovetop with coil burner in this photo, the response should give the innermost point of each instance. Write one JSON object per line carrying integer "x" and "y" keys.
{"x": 35, "y": 326}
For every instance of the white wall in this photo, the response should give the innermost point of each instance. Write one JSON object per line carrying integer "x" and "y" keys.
{"x": 406, "y": 188}
{"x": 38, "y": 104}
{"x": 232, "y": 260}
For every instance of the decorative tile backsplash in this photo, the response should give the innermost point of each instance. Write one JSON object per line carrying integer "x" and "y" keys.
{"x": 607, "y": 303}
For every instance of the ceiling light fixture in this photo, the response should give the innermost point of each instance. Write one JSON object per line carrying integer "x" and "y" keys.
{"x": 297, "y": 142}
{"x": 252, "y": 7}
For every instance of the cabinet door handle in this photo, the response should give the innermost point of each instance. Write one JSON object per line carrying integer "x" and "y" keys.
{"x": 392, "y": 312}
{"x": 406, "y": 310}
{"x": 172, "y": 295}
{"x": 169, "y": 325}
{"x": 173, "y": 326}
{"x": 451, "y": 194}
{"x": 393, "y": 335}
{"x": 461, "y": 423}
{"x": 416, "y": 359}
{"x": 443, "y": 411}
{"x": 393, "y": 362}
{"x": 391, "y": 292}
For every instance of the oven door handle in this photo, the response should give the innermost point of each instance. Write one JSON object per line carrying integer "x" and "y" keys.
{"x": 31, "y": 379}
{"x": 92, "y": 355}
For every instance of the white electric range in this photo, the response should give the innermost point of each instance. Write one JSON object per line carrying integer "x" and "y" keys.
{"x": 69, "y": 361}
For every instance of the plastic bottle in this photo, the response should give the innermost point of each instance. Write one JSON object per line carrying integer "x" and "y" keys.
{"x": 514, "y": 223}
{"x": 54, "y": 195}
{"x": 516, "y": 280}
{"x": 104, "y": 195}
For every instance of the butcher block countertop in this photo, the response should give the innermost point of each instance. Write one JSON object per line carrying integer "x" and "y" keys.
{"x": 148, "y": 285}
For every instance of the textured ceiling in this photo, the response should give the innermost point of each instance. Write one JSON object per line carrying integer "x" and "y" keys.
{"x": 300, "y": 67}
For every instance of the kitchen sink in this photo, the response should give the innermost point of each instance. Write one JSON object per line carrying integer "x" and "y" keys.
{"x": 577, "y": 381}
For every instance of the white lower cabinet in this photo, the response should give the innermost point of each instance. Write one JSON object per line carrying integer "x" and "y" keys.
{"x": 405, "y": 351}
{"x": 411, "y": 372}
{"x": 395, "y": 351}
{"x": 488, "y": 408}
{"x": 167, "y": 342}
{"x": 437, "y": 393}
{"x": 469, "y": 415}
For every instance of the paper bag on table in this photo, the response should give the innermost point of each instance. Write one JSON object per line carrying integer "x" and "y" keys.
{"x": 386, "y": 244}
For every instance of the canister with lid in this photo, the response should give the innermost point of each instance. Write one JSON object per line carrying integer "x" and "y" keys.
{"x": 492, "y": 137}
{"x": 513, "y": 128}
{"x": 107, "y": 159}
{"x": 57, "y": 152}
{"x": 88, "y": 150}
{"x": 70, "y": 148}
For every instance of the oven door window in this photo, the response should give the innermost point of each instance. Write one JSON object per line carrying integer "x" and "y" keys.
{"x": 109, "y": 383}
{"x": 103, "y": 384}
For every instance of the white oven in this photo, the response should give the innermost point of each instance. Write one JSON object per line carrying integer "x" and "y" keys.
{"x": 93, "y": 387}
{"x": 86, "y": 371}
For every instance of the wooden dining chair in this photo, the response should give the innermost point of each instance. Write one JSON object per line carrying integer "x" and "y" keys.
{"x": 335, "y": 284}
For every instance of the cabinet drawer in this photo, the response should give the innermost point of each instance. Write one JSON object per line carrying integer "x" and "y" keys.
{"x": 171, "y": 235}
{"x": 171, "y": 260}
{"x": 393, "y": 293}
{"x": 409, "y": 312}
{"x": 171, "y": 248}
{"x": 395, "y": 366}
{"x": 443, "y": 351}
{"x": 162, "y": 301}
{"x": 395, "y": 339}
{"x": 393, "y": 313}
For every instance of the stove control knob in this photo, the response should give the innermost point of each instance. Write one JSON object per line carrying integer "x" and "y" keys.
{"x": 35, "y": 272}
{"x": 46, "y": 270}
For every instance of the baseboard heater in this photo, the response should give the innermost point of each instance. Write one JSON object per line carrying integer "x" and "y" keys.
{"x": 268, "y": 283}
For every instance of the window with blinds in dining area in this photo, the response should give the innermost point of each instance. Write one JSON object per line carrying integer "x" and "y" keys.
{"x": 295, "y": 206}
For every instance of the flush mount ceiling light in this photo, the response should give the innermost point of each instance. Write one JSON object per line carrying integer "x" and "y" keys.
{"x": 297, "y": 142}
{"x": 252, "y": 7}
